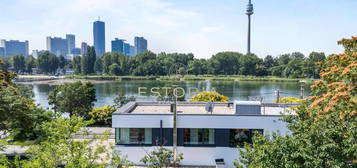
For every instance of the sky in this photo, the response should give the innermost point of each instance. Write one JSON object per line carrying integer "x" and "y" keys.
{"x": 201, "y": 27}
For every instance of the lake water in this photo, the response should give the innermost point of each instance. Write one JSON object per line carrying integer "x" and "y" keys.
{"x": 107, "y": 91}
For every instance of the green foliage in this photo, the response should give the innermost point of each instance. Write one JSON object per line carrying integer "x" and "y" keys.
{"x": 209, "y": 96}
{"x": 102, "y": 115}
{"x": 121, "y": 100}
{"x": 57, "y": 147}
{"x": 87, "y": 61}
{"x": 47, "y": 62}
{"x": 77, "y": 64}
{"x": 324, "y": 127}
{"x": 120, "y": 161}
{"x": 30, "y": 63}
{"x": 75, "y": 98}
{"x": 98, "y": 65}
{"x": 161, "y": 157}
{"x": 18, "y": 62}
{"x": 114, "y": 69}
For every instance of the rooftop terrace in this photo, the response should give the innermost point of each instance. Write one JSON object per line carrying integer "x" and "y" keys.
{"x": 199, "y": 108}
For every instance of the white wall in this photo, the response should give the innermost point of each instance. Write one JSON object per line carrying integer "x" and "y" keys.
{"x": 199, "y": 156}
{"x": 268, "y": 123}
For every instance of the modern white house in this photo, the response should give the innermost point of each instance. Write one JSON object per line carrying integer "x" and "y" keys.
{"x": 205, "y": 134}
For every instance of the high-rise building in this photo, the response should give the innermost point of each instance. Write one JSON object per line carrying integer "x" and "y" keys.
{"x": 127, "y": 49}
{"x": 132, "y": 51}
{"x": 15, "y": 47}
{"x": 118, "y": 45}
{"x": 84, "y": 47}
{"x": 99, "y": 37}
{"x": 57, "y": 46}
{"x": 2, "y": 52}
{"x": 71, "y": 42}
{"x": 141, "y": 45}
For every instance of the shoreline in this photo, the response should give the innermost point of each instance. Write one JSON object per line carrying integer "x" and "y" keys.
{"x": 57, "y": 80}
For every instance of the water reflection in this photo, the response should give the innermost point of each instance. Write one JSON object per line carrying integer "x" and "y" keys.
{"x": 107, "y": 91}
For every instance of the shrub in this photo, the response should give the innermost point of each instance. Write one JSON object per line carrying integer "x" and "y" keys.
{"x": 209, "y": 96}
{"x": 102, "y": 115}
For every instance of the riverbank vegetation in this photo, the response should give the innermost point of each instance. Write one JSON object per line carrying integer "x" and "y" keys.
{"x": 114, "y": 65}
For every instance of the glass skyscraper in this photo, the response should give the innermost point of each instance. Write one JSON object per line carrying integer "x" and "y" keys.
{"x": 57, "y": 46}
{"x": 71, "y": 42}
{"x": 99, "y": 37}
{"x": 15, "y": 47}
{"x": 141, "y": 45}
{"x": 118, "y": 45}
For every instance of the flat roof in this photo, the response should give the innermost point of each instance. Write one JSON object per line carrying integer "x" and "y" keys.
{"x": 198, "y": 108}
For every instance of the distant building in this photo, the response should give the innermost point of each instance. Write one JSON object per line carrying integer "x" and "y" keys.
{"x": 127, "y": 49}
{"x": 99, "y": 37}
{"x": 36, "y": 53}
{"x": 2, "y": 52}
{"x": 141, "y": 45}
{"x": 15, "y": 47}
{"x": 76, "y": 51}
{"x": 84, "y": 47}
{"x": 57, "y": 46}
{"x": 118, "y": 45}
{"x": 132, "y": 51}
{"x": 71, "y": 43}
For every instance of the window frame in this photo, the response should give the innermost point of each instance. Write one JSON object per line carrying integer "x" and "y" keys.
{"x": 145, "y": 142}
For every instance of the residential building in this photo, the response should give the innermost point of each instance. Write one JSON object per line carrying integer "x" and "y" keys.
{"x": 84, "y": 47}
{"x": 57, "y": 46}
{"x": 99, "y": 37}
{"x": 15, "y": 47}
{"x": 141, "y": 45}
{"x": 71, "y": 42}
{"x": 118, "y": 45}
{"x": 206, "y": 133}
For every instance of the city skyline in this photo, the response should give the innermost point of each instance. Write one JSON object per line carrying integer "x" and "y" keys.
{"x": 180, "y": 26}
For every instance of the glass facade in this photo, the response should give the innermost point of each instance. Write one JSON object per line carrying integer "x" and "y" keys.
{"x": 193, "y": 136}
{"x": 133, "y": 136}
{"x": 240, "y": 136}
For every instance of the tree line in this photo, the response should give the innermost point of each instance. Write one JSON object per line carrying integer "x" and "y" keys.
{"x": 291, "y": 65}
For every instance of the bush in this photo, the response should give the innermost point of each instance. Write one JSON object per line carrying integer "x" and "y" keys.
{"x": 209, "y": 96}
{"x": 288, "y": 100}
{"x": 102, "y": 115}
{"x": 161, "y": 157}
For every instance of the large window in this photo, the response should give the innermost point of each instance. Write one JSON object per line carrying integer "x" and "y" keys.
{"x": 133, "y": 136}
{"x": 240, "y": 136}
{"x": 198, "y": 136}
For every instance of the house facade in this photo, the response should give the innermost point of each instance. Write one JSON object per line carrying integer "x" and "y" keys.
{"x": 204, "y": 135}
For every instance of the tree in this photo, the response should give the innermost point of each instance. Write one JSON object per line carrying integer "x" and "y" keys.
{"x": 5, "y": 64}
{"x": 324, "y": 127}
{"x": 58, "y": 147}
{"x": 102, "y": 115}
{"x": 30, "y": 63}
{"x": 18, "y": 62}
{"x": 98, "y": 66}
{"x": 75, "y": 98}
{"x": 225, "y": 63}
{"x": 198, "y": 67}
{"x": 209, "y": 96}
{"x": 62, "y": 63}
{"x": 47, "y": 62}
{"x": 19, "y": 115}
{"x": 161, "y": 157}
{"x": 248, "y": 64}
{"x": 121, "y": 100}
{"x": 77, "y": 64}
{"x": 87, "y": 61}
{"x": 114, "y": 69}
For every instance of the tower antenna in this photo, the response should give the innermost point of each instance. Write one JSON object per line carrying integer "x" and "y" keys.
{"x": 249, "y": 13}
